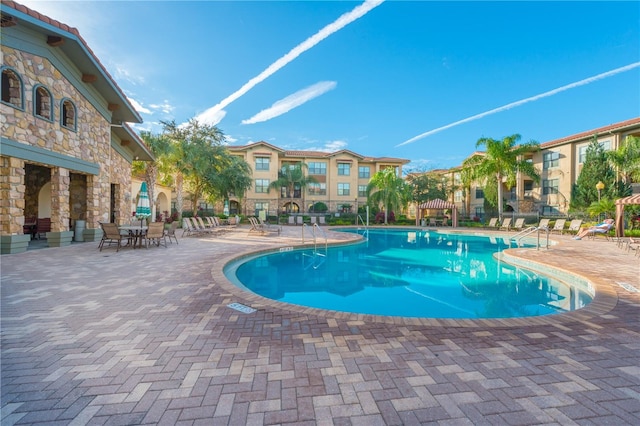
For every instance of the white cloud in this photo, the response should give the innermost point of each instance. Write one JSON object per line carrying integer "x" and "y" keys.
{"x": 138, "y": 106}
{"x": 212, "y": 115}
{"x": 524, "y": 101}
{"x": 292, "y": 101}
{"x": 123, "y": 74}
{"x": 330, "y": 146}
{"x": 165, "y": 107}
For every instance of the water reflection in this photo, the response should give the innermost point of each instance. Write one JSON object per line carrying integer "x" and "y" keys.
{"x": 416, "y": 273}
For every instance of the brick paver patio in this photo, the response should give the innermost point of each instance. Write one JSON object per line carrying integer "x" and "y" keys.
{"x": 146, "y": 337}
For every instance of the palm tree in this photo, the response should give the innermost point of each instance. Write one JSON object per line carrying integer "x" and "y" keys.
{"x": 626, "y": 159}
{"x": 290, "y": 178}
{"x": 389, "y": 190}
{"x": 502, "y": 161}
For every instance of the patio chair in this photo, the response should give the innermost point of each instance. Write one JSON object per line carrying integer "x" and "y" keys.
{"x": 432, "y": 221}
{"x": 111, "y": 235}
{"x": 291, "y": 220}
{"x": 321, "y": 221}
{"x": 155, "y": 235}
{"x": 519, "y": 225}
{"x": 575, "y": 225}
{"x": 299, "y": 220}
{"x": 313, "y": 220}
{"x": 43, "y": 225}
{"x": 559, "y": 226}
{"x": 506, "y": 224}
{"x": 171, "y": 232}
{"x": 634, "y": 244}
{"x": 493, "y": 223}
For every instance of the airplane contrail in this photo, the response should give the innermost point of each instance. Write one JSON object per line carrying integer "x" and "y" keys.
{"x": 524, "y": 101}
{"x": 215, "y": 114}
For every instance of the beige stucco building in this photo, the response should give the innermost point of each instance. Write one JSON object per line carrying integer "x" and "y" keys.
{"x": 558, "y": 162}
{"x": 66, "y": 150}
{"x": 341, "y": 179}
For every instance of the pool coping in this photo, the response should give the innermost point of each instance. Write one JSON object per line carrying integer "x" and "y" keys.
{"x": 605, "y": 299}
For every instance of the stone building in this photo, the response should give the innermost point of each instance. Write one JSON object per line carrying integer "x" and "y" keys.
{"x": 66, "y": 149}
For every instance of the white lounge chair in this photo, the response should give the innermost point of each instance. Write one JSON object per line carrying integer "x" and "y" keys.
{"x": 506, "y": 224}
{"x": 575, "y": 225}
{"x": 559, "y": 226}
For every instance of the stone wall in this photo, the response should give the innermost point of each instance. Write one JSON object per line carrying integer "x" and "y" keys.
{"x": 91, "y": 141}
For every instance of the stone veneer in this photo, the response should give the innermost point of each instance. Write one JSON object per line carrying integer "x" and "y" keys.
{"x": 91, "y": 142}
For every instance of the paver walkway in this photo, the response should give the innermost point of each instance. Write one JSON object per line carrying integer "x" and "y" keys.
{"x": 146, "y": 337}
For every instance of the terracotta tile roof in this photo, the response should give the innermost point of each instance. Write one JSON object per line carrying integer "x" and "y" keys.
{"x": 589, "y": 133}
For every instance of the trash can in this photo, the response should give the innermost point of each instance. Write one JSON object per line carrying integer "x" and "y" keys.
{"x": 79, "y": 229}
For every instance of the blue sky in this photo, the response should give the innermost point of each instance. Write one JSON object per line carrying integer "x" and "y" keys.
{"x": 421, "y": 80}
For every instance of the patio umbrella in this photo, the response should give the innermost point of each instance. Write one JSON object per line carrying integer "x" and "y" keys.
{"x": 143, "y": 210}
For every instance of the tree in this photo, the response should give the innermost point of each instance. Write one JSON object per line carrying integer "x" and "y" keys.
{"x": 626, "y": 159}
{"x": 291, "y": 177}
{"x": 197, "y": 155}
{"x": 234, "y": 179}
{"x": 502, "y": 161}
{"x": 596, "y": 168}
{"x": 389, "y": 190}
{"x": 427, "y": 186}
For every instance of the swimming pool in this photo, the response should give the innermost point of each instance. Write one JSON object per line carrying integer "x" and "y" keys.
{"x": 409, "y": 273}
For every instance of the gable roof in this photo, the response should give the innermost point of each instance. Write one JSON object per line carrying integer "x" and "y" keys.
{"x": 71, "y": 43}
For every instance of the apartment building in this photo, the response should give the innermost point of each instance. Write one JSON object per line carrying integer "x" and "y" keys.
{"x": 559, "y": 163}
{"x": 66, "y": 150}
{"x": 341, "y": 179}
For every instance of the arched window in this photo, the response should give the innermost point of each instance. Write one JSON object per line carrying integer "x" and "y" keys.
{"x": 68, "y": 114}
{"x": 42, "y": 103}
{"x": 12, "y": 88}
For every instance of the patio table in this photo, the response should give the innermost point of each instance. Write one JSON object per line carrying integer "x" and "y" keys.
{"x": 135, "y": 231}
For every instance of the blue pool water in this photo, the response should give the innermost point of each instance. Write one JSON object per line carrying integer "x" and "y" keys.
{"x": 410, "y": 274}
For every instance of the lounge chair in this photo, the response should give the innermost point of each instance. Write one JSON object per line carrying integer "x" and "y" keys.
{"x": 575, "y": 225}
{"x": 506, "y": 224}
{"x": 155, "y": 235}
{"x": 634, "y": 244}
{"x": 189, "y": 227}
{"x": 544, "y": 224}
{"x": 321, "y": 221}
{"x": 267, "y": 227}
{"x": 559, "y": 226}
{"x": 255, "y": 228}
{"x": 111, "y": 234}
{"x": 519, "y": 225}
{"x": 493, "y": 223}
{"x": 592, "y": 233}
{"x": 171, "y": 232}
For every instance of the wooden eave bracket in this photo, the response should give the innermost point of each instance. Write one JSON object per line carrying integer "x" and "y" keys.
{"x": 89, "y": 78}
{"x": 8, "y": 21}
{"x": 113, "y": 107}
{"x": 125, "y": 142}
{"x": 55, "y": 41}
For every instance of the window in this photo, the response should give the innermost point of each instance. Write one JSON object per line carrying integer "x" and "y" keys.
{"x": 262, "y": 186}
{"x": 362, "y": 191}
{"x": 343, "y": 189}
{"x": 479, "y": 193}
{"x": 68, "y": 117}
{"x": 550, "y": 210}
{"x": 317, "y": 188}
{"x": 344, "y": 169}
{"x": 364, "y": 172}
{"x": 42, "y": 105}
{"x": 297, "y": 192}
{"x": 12, "y": 88}
{"x": 262, "y": 163}
{"x": 606, "y": 145}
{"x": 261, "y": 206}
{"x": 550, "y": 159}
{"x": 457, "y": 196}
{"x": 528, "y": 188}
{"x": 457, "y": 179}
{"x": 582, "y": 154}
{"x": 317, "y": 168}
{"x": 550, "y": 186}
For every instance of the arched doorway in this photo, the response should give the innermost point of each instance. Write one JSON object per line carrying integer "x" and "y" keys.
{"x": 291, "y": 207}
